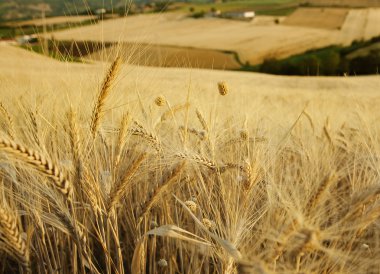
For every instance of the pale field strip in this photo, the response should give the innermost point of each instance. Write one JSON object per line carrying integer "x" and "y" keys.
{"x": 354, "y": 27}
{"x": 253, "y": 42}
{"x": 373, "y": 23}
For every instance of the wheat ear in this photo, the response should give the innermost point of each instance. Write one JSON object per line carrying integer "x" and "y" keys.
{"x": 97, "y": 112}
{"x": 122, "y": 187}
{"x": 40, "y": 163}
{"x": 322, "y": 189}
{"x": 139, "y": 130}
{"x": 201, "y": 120}
{"x": 198, "y": 159}
{"x": 11, "y": 235}
{"x": 123, "y": 130}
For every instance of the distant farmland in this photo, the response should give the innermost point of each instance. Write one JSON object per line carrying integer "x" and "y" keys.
{"x": 253, "y": 42}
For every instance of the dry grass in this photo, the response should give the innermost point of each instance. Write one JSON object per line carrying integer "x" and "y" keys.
{"x": 249, "y": 182}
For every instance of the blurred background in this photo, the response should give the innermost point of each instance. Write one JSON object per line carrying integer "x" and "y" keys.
{"x": 285, "y": 37}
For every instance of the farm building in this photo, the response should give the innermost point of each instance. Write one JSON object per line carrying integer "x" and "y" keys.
{"x": 239, "y": 15}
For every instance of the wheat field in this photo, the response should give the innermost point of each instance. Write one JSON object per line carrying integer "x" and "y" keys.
{"x": 112, "y": 168}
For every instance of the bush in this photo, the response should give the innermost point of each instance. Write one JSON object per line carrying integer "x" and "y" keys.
{"x": 366, "y": 65}
{"x": 199, "y": 14}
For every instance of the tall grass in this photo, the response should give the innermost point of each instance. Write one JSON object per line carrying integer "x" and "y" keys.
{"x": 165, "y": 188}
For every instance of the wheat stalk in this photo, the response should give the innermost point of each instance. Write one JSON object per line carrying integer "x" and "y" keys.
{"x": 172, "y": 110}
{"x": 74, "y": 136}
{"x": 160, "y": 190}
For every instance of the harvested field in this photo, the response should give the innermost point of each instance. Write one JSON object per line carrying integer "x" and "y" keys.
{"x": 53, "y": 21}
{"x": 169, "y": 56}
{"x": 325, "y": 18}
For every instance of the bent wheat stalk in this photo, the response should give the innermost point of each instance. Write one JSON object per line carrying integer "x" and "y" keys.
{"x": 38, "y": 162}
{"x": 162, "y": 188}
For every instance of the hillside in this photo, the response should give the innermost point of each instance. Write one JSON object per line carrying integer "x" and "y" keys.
{"x": 38, "y": 72}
